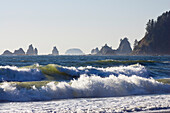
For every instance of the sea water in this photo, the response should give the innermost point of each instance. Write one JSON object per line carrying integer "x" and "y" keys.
{"x": 84, "y": 83}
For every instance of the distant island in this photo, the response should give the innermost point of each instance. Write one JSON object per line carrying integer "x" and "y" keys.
{"x": 74, "y": 51}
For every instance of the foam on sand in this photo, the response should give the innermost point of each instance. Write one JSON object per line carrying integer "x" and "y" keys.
{"x": 142, "y": 104}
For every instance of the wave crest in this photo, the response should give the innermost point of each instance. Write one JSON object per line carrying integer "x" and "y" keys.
{"x": 130, "y": 70}
{"x": 85, "y": 86}
{"x": 55, "y": 72}
{"x": 13, "y": 73}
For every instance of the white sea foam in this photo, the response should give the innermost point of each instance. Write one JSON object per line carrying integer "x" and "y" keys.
{"x": 13, "y": 73}
{"x": 142, "y": 104}
{"x": 85, "y": 86}
{"x": 130, "y": 70}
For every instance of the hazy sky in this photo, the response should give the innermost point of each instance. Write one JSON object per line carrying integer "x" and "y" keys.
{"x": 83, "y": 24}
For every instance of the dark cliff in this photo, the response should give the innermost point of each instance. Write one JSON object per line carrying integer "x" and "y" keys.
{"x": 157, "y": 37}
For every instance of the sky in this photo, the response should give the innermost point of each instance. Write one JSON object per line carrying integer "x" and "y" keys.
{"x": 83, "y": 24}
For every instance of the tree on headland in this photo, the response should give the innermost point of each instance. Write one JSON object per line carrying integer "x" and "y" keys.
{"x": 157, "y": 37}
{"x": 149, "y": 26}
{"x": 135, "y": 43}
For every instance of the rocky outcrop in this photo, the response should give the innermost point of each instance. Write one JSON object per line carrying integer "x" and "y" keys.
{"x": 7, "y": 53}
{"x": 55, "y": 51}
{"x": 106, "y": 50}
{"x": 20, "y": 51}
{"x": 32, "y": 51}
{"x": 94, "y": 51}
{"x": 124, "y": 47}
{"x": 157, "y": 37}
{"x": 36, "y": 51}
{"x": 74, "y": 51}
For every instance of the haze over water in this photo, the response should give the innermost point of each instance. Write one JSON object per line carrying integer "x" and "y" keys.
{"x": 74, "y": 24}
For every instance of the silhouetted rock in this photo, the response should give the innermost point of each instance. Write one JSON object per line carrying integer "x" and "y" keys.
{"x": 36, "y": 51}
{"x": 124, "y": 47}
{"x": 55, "y": 51}
{"x": 32, "y": 51}
{"x": 7, "y": 53}
{"x": 106, "y": 50}
{"x": 94, "y": 51}
{"x": 20, "y": 51}
{"x": 74, "y": 51}
{"x": 157, "y": 37}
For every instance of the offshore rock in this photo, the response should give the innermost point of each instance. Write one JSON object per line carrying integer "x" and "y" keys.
{"x": 20, "y": 51}
{"x": 106, "y": 50}
{"x": 36, "y": 51}
{"x": 94, "y": 51}
{"x": 7, "y": 53}
{"x": 124, "y": 47}
{"x": 55, "y": 51}
{"x": 32, "y": 51}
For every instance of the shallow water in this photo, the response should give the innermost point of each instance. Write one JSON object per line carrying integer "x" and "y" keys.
{"x": 118, "y": 79}
{"x": 145, "y": 103}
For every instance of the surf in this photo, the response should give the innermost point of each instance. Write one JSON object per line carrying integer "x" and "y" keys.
{"x": 83, "y": 87}
{"x": 55, "y": 72}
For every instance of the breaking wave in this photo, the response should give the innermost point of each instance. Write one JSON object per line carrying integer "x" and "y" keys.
{"x": 130, "y": 70}
{"x": 84, "y": 87}
{"x": 55, "y": 72}
{"x": 13, "y": 73}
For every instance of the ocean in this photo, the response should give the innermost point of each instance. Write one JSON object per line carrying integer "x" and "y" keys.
{"x": 84, "y": 83}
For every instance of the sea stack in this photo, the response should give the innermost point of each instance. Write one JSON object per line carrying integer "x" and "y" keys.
{"x": 32, "y": 51}
{"x": 94, "y": 51}
{"x": 18, "y": 52}
{"x": 55, "y": 51}
{"x": 7, "y": 53}
{"x": 106, "y": 50}
{"x": 124, "y": 47}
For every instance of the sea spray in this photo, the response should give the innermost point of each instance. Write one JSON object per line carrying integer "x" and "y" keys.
{"x": 85, "y": 86}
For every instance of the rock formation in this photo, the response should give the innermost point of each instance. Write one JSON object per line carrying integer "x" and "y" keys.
{"x": 106, "y": 50}
{"x": 36, "y": 51}
{"x": 74, "y": 51}
{"x": 20, "y": 51}
{"x": 124, "y": 47}
{"x": 32, "y": 51}
{"x": 7, "y": 53}
{"x": 55, "y": 51}
{"x": 157, "y": 37}
{"x": 94, "y": 51}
